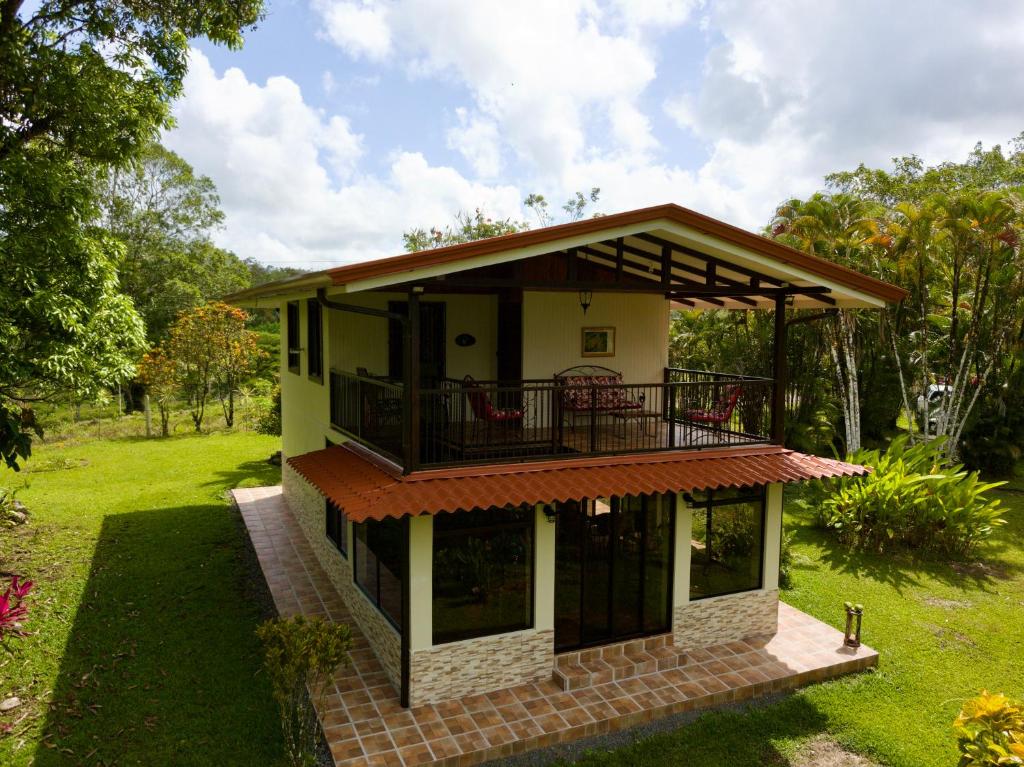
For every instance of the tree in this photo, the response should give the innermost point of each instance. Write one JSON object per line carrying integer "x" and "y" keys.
{"x": 211, "y": 352}
{"x": 478, "y": 226}
{"x": 83, "y": 86}
{"x": 159, "y": 373}
{"x": 163, "y": 214}
{"x": 839, "y": 228}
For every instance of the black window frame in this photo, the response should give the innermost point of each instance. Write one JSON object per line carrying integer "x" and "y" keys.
{"x": 336, "y": 526}
{"x": 293, "y": 352}
{"x": 375, "y": 598}
{"x": 530, "y": 525}
{"x": 314, "y": 340}
{"x": 757, "y": 494}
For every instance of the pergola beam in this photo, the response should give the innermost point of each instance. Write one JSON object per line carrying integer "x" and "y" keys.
{"x": 661, "y": 242}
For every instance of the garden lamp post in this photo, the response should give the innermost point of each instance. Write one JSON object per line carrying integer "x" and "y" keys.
{"x": 854, "y": 615}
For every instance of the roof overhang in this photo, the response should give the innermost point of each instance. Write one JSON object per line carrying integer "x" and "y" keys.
{"x": 366, "y": 487}
{"x": 746, "y": 269}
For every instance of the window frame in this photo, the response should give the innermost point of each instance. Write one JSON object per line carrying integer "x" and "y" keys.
{"x": 293, "y": 352}
{"x": 331, "y": 509}
{"x": 314, "y": 340}
{"x": 529, "y": 524}
{"x": 374, "y": 599}
{"x": 754, "y": 496}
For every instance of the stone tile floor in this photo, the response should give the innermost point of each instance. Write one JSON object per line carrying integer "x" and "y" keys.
{"x": 365, "y": 724}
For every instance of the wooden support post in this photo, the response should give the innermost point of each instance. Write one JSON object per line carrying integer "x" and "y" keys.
{"x": 779, "y": 372}
{"x": 411, "y": 400}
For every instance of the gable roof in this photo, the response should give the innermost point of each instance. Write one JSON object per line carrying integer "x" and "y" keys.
{"x": 735, "y": 249}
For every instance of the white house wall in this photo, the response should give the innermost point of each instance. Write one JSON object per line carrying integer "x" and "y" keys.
{"x": 553, "y": 324}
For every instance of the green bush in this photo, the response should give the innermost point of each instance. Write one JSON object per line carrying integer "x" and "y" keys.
{"x": 786, "y": 560}
{"x": 990, "y": 731}
{"x": 301, "y": 657}
{"x": 268, "y": 418}
{"x": 909, "y": 498}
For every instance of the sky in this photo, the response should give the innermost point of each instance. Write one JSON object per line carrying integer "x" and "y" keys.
{"x": 343, "y": 123}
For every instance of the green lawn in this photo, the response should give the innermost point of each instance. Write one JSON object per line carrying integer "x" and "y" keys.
{"x": 143, "y": 626}
{"x": 142, "y": 618}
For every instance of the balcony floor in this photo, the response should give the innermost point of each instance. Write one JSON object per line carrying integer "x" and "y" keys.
{"x": 365, "y": 725}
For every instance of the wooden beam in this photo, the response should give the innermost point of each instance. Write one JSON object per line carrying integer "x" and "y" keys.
{"x": 619, "y": 258}
{"x": 666, "y": 267}
{"x": 705, "y": 257}
{"x": 779, "y": 372}
{"x": 656, "y": 271}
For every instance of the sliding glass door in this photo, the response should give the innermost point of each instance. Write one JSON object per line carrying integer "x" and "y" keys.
{"x": 613, "y": 568}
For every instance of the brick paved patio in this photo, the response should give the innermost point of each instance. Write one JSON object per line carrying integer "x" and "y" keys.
{"x": 365, "y": 725}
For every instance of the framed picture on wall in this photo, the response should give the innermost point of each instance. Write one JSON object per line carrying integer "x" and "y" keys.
{"x": 598, "y": 342}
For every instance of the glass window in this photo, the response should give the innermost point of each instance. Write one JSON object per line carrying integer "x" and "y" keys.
{"x": 378, "y": 565}
{"x": 727, "y": 542}
{"x": 293, "y": 337}
{"x": 314, "y": 340}
{"x": 337, "y": 526}
{"x": 483, "y": 572}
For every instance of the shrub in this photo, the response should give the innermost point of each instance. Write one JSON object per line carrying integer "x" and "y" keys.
{"x": 301, "y": 657}
{"x": 990, "y": 731}
{"x": 12, "y": 511}
{"x": 786, "y": 561}
{"x": 268, "y": 418}
{"x": 911, "y": 499}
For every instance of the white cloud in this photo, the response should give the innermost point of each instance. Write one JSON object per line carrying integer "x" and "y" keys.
{"x": 542, "y": 73}
{"x": 359, "y": 28}
{"x": 476, "y": 138}
{"x": 289, "y": 179}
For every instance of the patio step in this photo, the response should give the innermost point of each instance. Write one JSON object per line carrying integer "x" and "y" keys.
{"x": 600, "y": 665}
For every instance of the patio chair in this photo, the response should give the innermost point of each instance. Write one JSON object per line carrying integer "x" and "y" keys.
{"x": 718, "y": 415}
{"x": 484, "y": 411}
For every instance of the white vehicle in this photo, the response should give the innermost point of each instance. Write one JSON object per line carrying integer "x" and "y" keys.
{"x": 937, "y": 397}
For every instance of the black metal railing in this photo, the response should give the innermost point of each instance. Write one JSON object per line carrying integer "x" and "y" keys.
{"x": 370, "y": 410}
{"x": 494, "y": 421}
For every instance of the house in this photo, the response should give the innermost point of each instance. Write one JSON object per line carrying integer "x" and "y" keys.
{"x": 500, "y": 473}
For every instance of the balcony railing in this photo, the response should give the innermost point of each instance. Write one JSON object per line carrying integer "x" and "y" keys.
{"x": 491, "y": 421}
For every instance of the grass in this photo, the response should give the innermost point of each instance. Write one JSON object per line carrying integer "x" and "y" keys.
{"x": 141, "y": 648}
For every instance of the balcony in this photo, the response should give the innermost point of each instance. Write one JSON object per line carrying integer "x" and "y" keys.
{"x": 463, "y": 422}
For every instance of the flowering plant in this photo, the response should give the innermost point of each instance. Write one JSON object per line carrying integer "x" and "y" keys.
{"x": 13, "y": 607}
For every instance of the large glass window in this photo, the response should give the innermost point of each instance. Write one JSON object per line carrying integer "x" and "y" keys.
{"x": 314, "y": 340}
{"x": 727, "y": 543}
{"x": 293, "y": 351}
{"x": 378, "y": 564}
{"x": 483, "y": 572}
{"x": 337, "y": 526}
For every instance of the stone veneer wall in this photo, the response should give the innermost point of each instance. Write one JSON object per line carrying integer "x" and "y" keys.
{"x": 307, "y": 505}
{"x": 481, "y": 665}
{"x": 727, "y": 618}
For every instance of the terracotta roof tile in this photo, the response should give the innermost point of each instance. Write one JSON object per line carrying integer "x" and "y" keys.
{"x": 366, "y": 489}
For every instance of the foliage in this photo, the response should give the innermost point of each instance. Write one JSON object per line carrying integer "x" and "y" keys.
{"x": 83, "y": 86}
{"x": 211, "y": 353}
{"x": 910, "y": 498}
{"x": 467, "y": 227}
{"x": 302, "y": 654}
{"x": 478, "y": 226}
{"x": 159, "y": 372}
{"x": 990, "y": 731}
{"x": 12, "y": 511}
{"x": 13, "y": 607}
{"x": 786, "y": 561}
{"x": 268, "y": 420}
{"x": 163, "y": 215}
